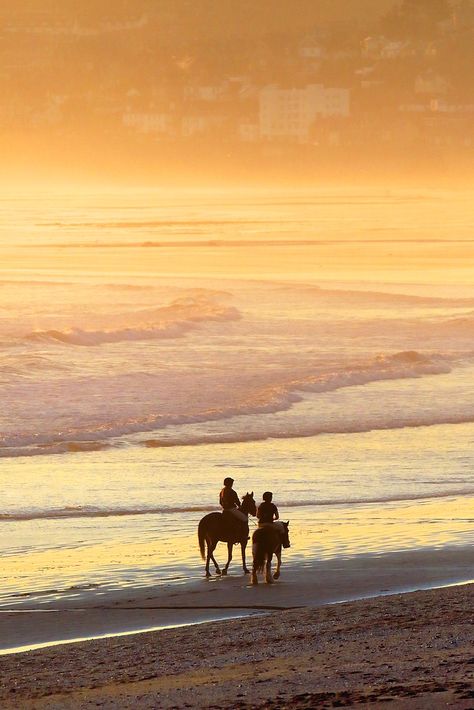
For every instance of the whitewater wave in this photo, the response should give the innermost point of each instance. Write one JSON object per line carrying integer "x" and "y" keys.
{"x": 279, "y": 397}
{"x": 93, "y": 512}
{"x": 239, "y": 437}
{"x": 173, "y": 321}
{"x": 307, "y": 431}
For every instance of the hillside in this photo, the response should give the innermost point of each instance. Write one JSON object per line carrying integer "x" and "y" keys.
{"x": 202, "y": 19}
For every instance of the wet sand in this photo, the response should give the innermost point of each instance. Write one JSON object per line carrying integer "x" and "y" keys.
{"x": 415, "y": 650}
{"x": 311, "y": 583}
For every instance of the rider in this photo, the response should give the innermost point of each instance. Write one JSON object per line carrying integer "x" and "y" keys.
{"x": 267, "y": 511}
{"x": 268, "y": 515}
{"x": 230, "y": 502}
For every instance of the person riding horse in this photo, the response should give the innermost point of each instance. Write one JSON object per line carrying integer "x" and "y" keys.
{"x": 230, "y": 504}
{"x": 268, "y": 516}
{"x": 267, "y": 512}
{"x": 230, "y": 526}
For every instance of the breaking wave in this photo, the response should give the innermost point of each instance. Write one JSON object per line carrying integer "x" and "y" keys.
{"x": 281, "y": 396}
{"x": 309, "y": 430}
{"x": 172, "y": 321}
{"x": 93, "y": 512}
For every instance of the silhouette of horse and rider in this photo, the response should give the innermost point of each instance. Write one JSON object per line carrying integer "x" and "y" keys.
{"x": 231, "y": 526}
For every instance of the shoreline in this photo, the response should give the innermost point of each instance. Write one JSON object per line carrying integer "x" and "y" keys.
{"x": 415, "y": 650}
{"x": 309, "y": 584}
{"x": 249, "y": 612}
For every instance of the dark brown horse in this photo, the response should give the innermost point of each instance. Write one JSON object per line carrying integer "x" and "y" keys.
{"x": 266, "y": 542}
{"x": 224, "y": 527}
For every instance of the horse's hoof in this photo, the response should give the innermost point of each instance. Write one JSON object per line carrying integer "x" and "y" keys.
{"x": 255, "y": 581}
{"x": 246, "y": 571}
{"x": 224, "y": 572}
{"x": 276, "y": 575}
{"x": 208, "y": 574}
{"x": 269, "y": 581}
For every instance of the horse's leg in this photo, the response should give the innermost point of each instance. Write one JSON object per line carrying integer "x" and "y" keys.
{"x": 211, "y": 555}
{"x": 277, "y": 571}
{"x": 268, "y": 569}
{"x": 229, "y": 557}
{"x": 243, "y": 545}
{"x": 254, "y": 575}
{"x": 208, "y": 557}
{"x": 254, "y": 568}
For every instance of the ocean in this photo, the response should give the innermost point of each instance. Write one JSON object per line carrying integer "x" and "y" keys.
{"x": 319, "y": 344}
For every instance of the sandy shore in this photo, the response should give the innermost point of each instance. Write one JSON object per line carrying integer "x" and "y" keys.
{"x": 415, "y": 650}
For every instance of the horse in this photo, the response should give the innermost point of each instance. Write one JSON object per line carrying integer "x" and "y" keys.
{"x": 266, "y": 542}
{"x": 224, "y": 527}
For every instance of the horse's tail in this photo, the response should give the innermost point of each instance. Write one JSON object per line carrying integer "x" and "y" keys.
{"x": 259, "y": 550}
{"x": 202, "y": 540}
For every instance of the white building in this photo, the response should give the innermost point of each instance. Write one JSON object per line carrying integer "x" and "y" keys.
{"x": 312, "y": 47}
{"x": 194, "y": 125}
{"x": 147, "y": 122}
{"x": 379, "y": 47}
{"x": 431, "y": 83}
{"x": 290, "y": 113}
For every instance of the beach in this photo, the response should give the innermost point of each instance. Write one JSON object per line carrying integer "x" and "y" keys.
{"x": 413, "y": 651}
{"x": 236, "y": 333}
{"x": 316, "y": 344}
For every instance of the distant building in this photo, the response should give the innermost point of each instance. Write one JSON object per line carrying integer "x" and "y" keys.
{"x": 147, "y": 122}
{"x": 312, "y": 47}
{"x": 442, "y": 124}
{"x": 379, "y": 47}
{"x": 394, "y": 50}
{"x": 289, "y": 114}
{"x": 431, "y": 83}
{"x": 438, "y": 106}
{"x": 204, "y": 93}
{"x": 194, "y": 125}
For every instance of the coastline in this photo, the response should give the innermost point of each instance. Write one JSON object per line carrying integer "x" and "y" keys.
{"x": 415, "y": 650}
{"x": 309, "y": 583}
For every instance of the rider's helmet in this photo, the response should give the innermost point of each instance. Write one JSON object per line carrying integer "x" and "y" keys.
{"x": 267, "y": 496}
{"x": 228, "y": 481}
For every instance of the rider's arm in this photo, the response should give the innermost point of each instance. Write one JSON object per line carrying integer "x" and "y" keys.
{"x": 276, "y": 514}
{"x": 236, "y": 499}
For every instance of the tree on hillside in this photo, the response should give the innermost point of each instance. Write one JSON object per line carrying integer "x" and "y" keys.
{"x": 416, "y": 19}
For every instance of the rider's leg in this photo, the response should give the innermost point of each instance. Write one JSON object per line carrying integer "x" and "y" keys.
{"x": 242, "y": 520}
{"x": 239, "y": 515}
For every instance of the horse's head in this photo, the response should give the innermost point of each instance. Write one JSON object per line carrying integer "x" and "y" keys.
{"x": 248, "y": 505}
{"x": 285, "y": 540}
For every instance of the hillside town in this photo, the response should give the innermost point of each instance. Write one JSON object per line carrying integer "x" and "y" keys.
{"x": 403, "y": 80}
